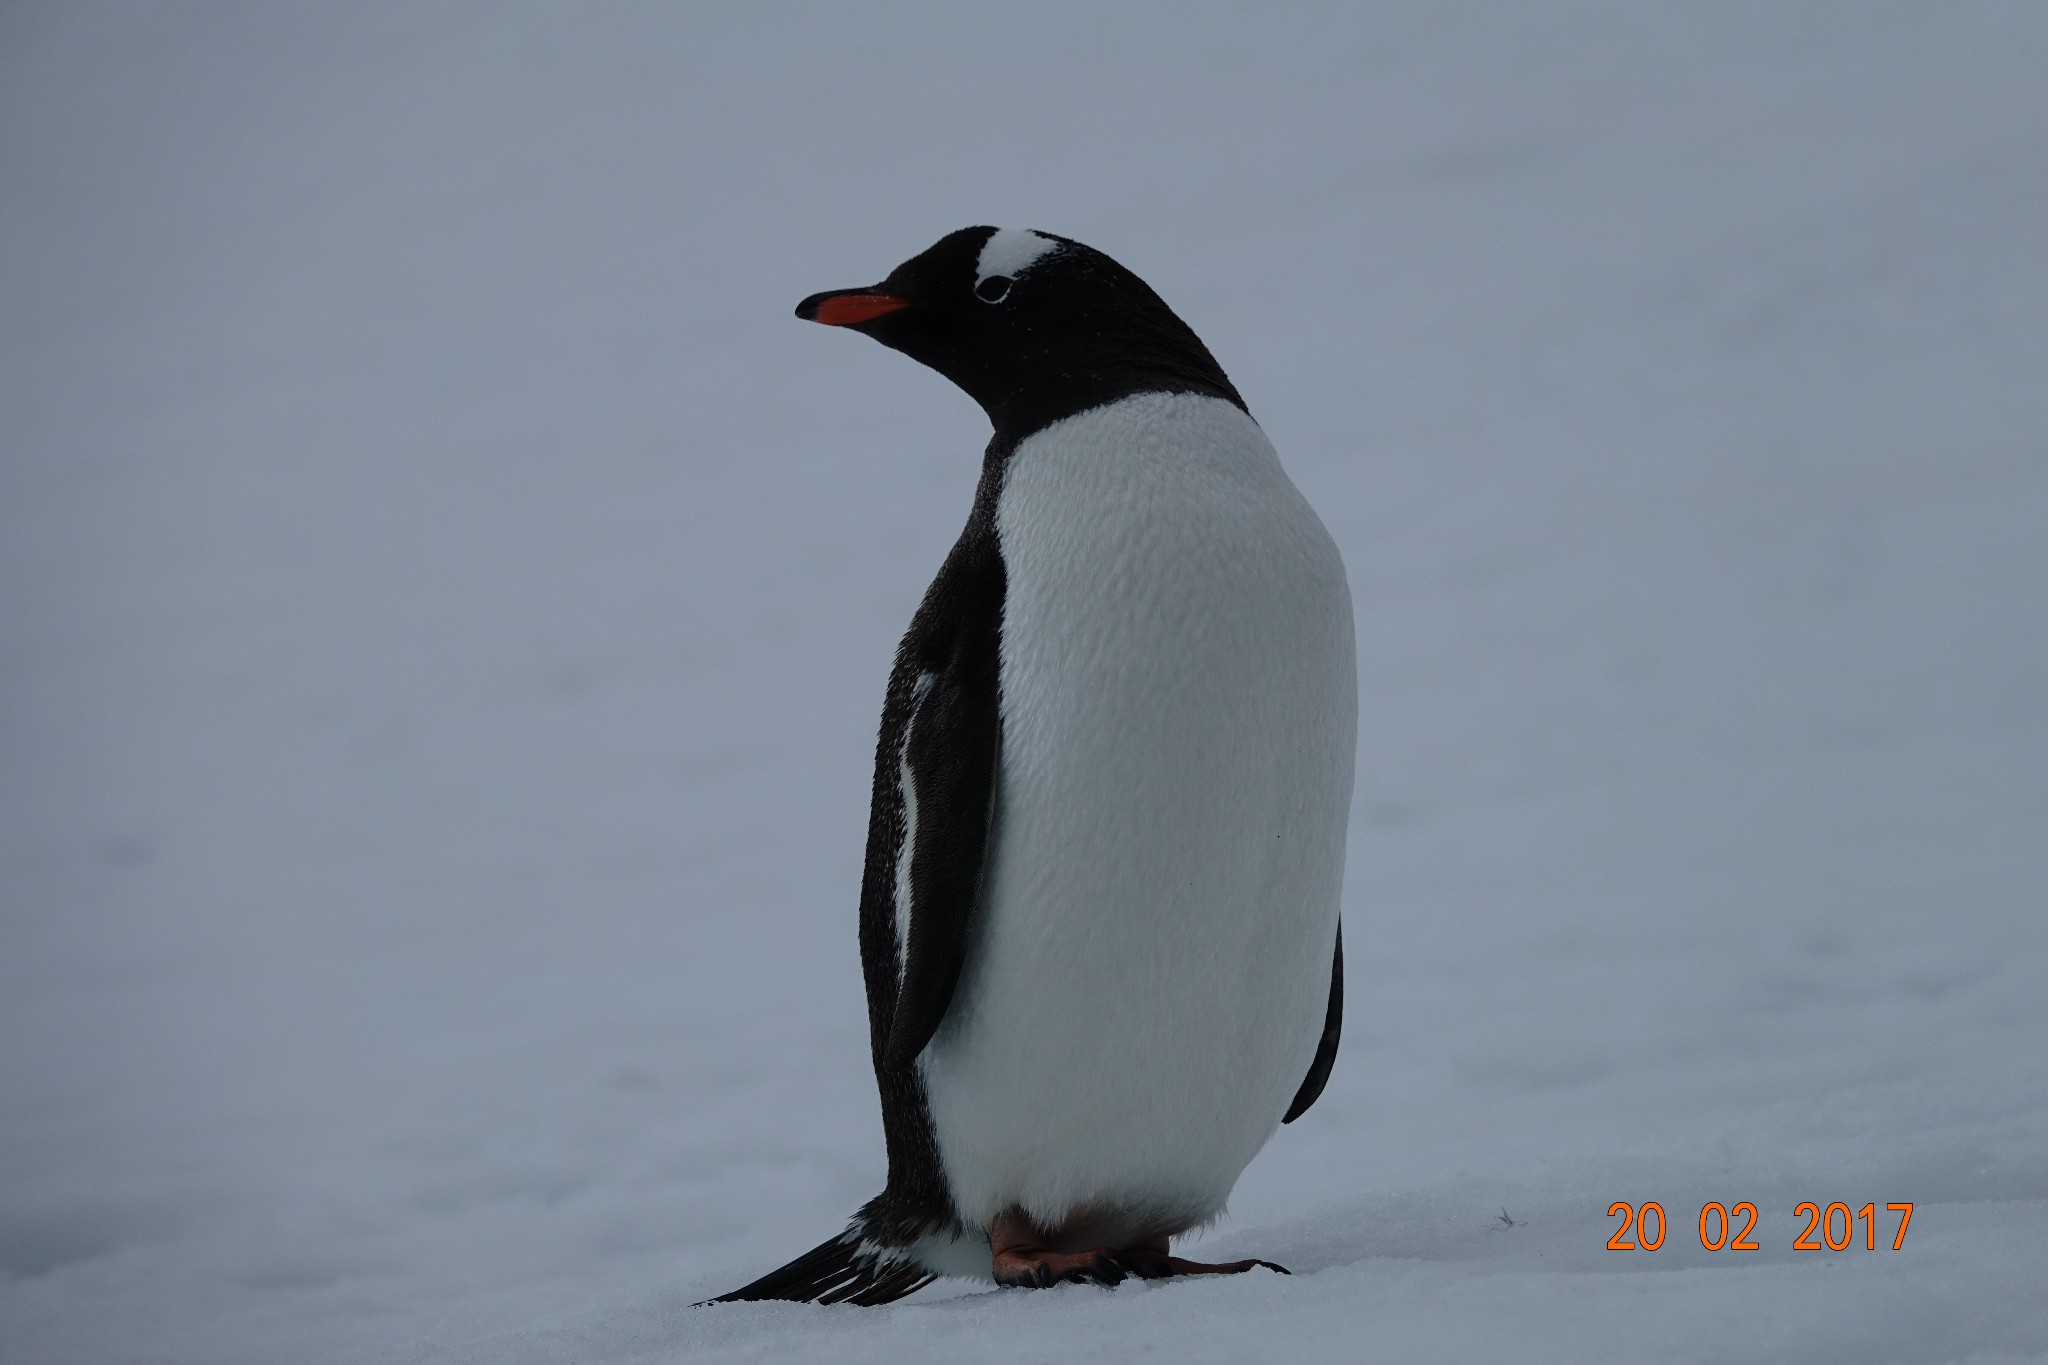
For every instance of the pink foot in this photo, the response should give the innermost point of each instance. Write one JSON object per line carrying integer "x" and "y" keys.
{"x": 1030, "y": 1267}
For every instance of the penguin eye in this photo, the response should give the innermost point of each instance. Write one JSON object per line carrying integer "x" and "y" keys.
{"x": 994, "y": 289}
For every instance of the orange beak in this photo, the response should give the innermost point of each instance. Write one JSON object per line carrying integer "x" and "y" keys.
{"x": 845, "y": 307}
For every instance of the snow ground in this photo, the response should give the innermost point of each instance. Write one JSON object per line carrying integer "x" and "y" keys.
{"x": 446, "y": 602}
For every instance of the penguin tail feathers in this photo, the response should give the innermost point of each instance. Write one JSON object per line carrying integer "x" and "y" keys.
{"x": 846, "y": 1269}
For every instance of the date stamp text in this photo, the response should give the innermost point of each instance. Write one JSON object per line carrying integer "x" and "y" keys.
{"x": 1733, "y": 1227}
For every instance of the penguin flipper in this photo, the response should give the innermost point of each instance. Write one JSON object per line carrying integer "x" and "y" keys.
{"x": 838, "y": 1271}
{"x": 948, "y": 753}
{"x": 1326, "y": 1051}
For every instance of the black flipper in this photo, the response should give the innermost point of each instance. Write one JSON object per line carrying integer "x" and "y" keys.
{"x": 1326, "y": 1051}
{"x": 838, "y": 1271}
{"x": 949, "y": 747}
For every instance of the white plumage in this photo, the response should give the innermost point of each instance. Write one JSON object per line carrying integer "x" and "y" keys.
{"x": 1149, "y": 966}
{"x": 1010, "y": 251}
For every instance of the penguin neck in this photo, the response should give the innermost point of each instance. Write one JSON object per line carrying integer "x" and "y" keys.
{"x": 1036, "y": 404}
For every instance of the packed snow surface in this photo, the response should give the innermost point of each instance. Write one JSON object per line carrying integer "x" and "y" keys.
{"x": 446, "y": 602}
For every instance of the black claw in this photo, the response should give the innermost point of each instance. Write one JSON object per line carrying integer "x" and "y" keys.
{"x": 1271, "y": 1266}
{"x": 1144, "y": 1265}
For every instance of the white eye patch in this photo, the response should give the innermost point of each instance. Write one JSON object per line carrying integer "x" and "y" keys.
{"x": 1010, "y": 252}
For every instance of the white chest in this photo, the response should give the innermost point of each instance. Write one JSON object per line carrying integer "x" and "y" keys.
{"x": 1150, "y": 962}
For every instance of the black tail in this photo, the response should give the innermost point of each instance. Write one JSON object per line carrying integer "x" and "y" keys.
{"x": 838, "y": 1271}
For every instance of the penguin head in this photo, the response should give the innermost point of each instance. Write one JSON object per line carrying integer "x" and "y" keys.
{"x": 1033, "y": 326}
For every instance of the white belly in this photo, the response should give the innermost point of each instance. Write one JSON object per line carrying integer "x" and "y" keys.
{"x": 1150, "y": 964}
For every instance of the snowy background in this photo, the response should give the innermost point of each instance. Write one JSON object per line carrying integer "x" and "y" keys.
{"x": 445, "y": 600}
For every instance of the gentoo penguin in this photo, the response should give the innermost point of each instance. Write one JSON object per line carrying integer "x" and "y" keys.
{"x": 1098, "y": 920}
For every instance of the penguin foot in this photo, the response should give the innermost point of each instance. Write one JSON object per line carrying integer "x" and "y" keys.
{"x": 1021, "y": 1258}
{"x": 1153, "y": 1263}
{"x": 1030, "y": 1267}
